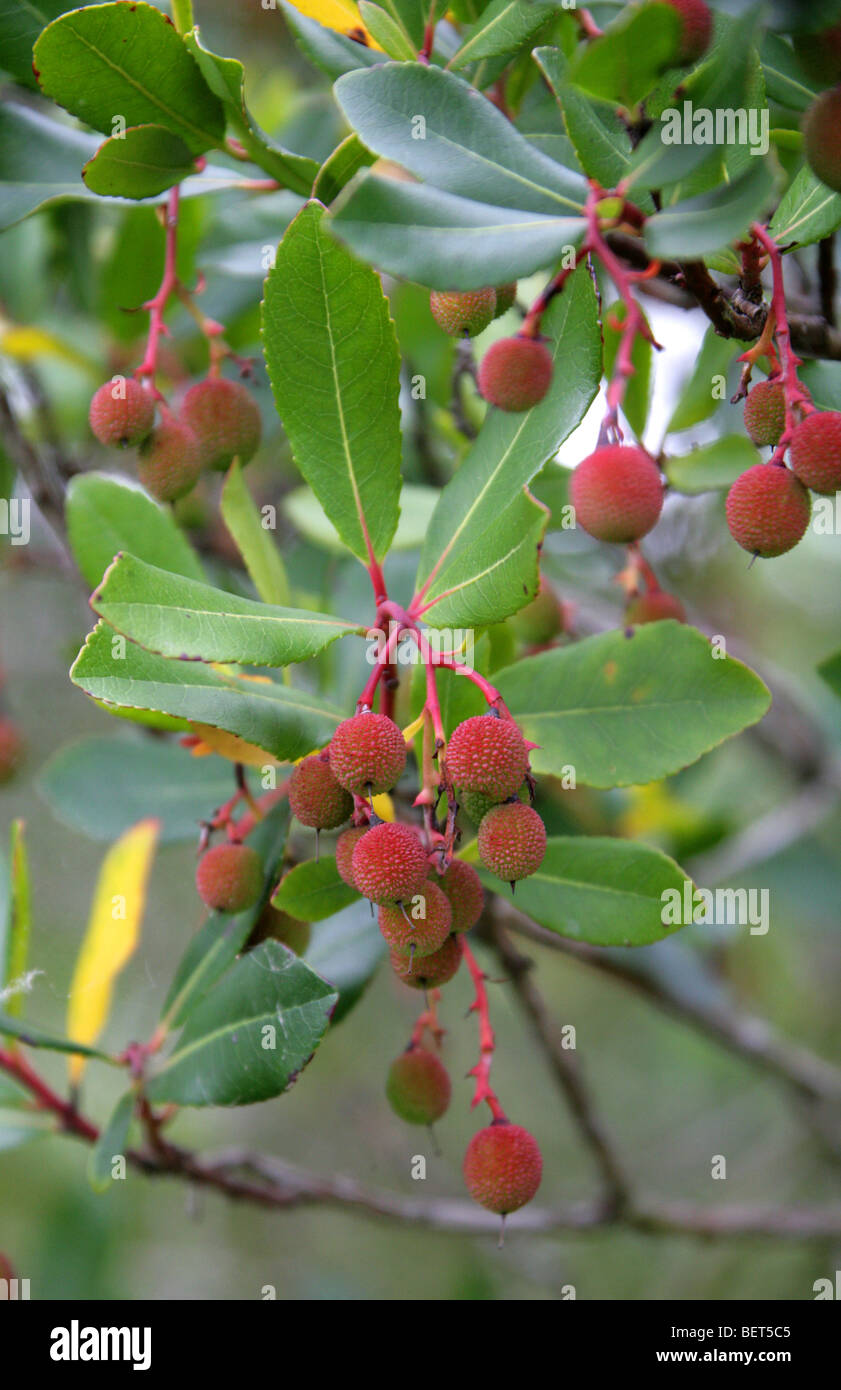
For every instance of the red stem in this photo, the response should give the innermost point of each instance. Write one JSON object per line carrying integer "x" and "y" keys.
{"x": 797, "y": 398}
{"x": 487, "y": 1042}
{"x": 16, "y": 1066}
{"x": 169, "y": 284}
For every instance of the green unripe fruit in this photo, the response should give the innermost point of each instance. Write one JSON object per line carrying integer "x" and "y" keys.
{"x": 617, "y": 493}
{"x": 505, "y": 297}
{"x": 315, "y": 797}
{"x": 697, "y": 28}
{"x": 652, "y": 608}
{"x": 273, "y": 925}
{"x": 512, "y": 841}
{"x": 345, "y": 845}
{"x": 226, "y": 421}
{"x": 515, "y": 373}
{"x": 230, "y": 878}
{"x": 815, "y": 451}
{"x": 389, "y": 863}
{"x": 487, "y": 755}
{"x": 170, "y": 460}
{"x": 503, "y": 1167}
{"x": 367, "y": 754}
{"x": 542, "y": 619}
{"x": 122, "y": 413}
{"x": 11, "y": 749}
{"x": 432, "y": 971}
{"x": 768, "y": 510}
{"x": 418, "y": 1086}
{"x": 822, "y": 137}
{"x": 463, "y": 887}
{"x": 765, "y": 413}
{"x": 421, "y": 935}
{"x": 461, "y": 312}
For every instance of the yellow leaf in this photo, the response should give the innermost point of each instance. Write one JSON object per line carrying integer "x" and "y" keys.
{"x": 112, "y": 935}
{"x": 383, "y": 806}
{"x": 229, "y": 746}
{"x": 27, "y": 344}
{"x": 341, "y": 15}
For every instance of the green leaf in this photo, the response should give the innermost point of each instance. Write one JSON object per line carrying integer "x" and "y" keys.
{"x": 107, "y": 514}
{"x": 830, "y": 671}
{"x": 21, "y": 21}
{"x": 417, "y": 505}
{"x": 589, "y": 888}
{"x": 387, "y": 32}
{"x": 703, "y": 224}
{"x": 103, "y": 786}
{"x": 16, "y": 924}
{"x": 626, "y": 710}
{"x": 600, "y": 138}
{"x": 287, "y": 723}
{"x": 111, "y": 1143}
{"x": 465, "y": 544}
{"x": 330, "y": 51}
{"x": 808, "y": 211}
{"x": 222, "y": 937}
{"x": 785, "y": 80}
{"x": 324, "y": 315}
{"x": 19, "y": 1123}
{"x": 443, "y": 241}
{"x": 250, "y": 1036}
{"x": 638, "y": 393}
{"x": 346, "y": 951}
{"x": 503, "y": 27}
{"x": 824, "y": 382}
{"x": 33, "y": 1036}
{"x": 255, "y": 544}
{"x": 123, "y": 60}
{"x": 313, "y": 890}
{"x": 178, "y": 617}
{"x": 144, "y": 161}
{"x": 697, "y": 401}
{"x": 712, "y": 466}
{"x": 440, "y": 129}
{"x": 346, "y": 160}
{"x": 626, "y": 63}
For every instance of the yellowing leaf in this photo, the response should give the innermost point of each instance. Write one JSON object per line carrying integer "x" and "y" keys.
{"x": 383, "y": 806}
{"x": 341, "y": 15}
{"x": 230, "y": 746}
{"x": 27, "y": 344}
{"x": 112, "y": 935}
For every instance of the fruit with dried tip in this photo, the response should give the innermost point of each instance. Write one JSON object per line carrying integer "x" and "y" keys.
{"x": 768, "y": 510}
{"x": 315, "y": 797}
{"x": 617, "y": 493}
{"x": 418, "y": 1086}
{"x": 488, "y": 755}
{"x": 431, "y": 971}
{"x": 512, "y": 841}
{"x": 697, "y": 28}
{"x": 422, "y": 927}
{"x": 229, "y": 877}
{"x": 765, "y": 413}
{"x": 463, "y": 887}
{"x": 815, "y": 451}
{"x": 345, "y": 845}
{"x": 503, "y": 1167}
{"x": 515, "y": 373}
{"x": 170, "y": 460}
{"x": 122, "y": 413}
{"x": 505, "y": 297}
{"x": 275, "y": 925}
{"x": 389, "y": 863}
{"x": 822, "y": 137}
{"x": 226, "y": 420}
{"x": 461, "y": 312}
{"x": 542, "y": 619}
{"x": 653, "y": 607}
{"x": 11, "y": 749}
{"x": 367, "y": 754}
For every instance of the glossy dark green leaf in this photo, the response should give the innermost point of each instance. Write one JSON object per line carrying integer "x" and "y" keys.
{"x": 146, "y": 160}
{"x": 106, "y": 514}
{"x": 503, "y": 28}
{"x": 313, "y": 890}
{"x": 625, "y": 64}
{"x": 346, "y": 951}
{"x": 807, "y": 212}
{"x": 711, "y": 220}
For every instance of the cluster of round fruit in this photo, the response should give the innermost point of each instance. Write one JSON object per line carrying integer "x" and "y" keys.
{"x": 218, "y": 421}
{"x": 515, "y": 373}
{"x": 768, "y": 506}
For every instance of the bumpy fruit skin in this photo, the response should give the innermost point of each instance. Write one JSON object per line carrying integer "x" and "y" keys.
{"x": 126, "y": 420}
{"x": 431, "y": 971}
{"x": 768, "y": 510}
{"x": 274, "y": 925}
{"x": 542, "y": 619}
{"x": 226, "y": 421}
{"x": 170, "y": 460}
{"x": 487, "y": 755}
{"x": 617, "y": 493}
{"x": 822, "y": 137}
{"x": 389, "y": 863}
{"x": 367, "y": 754}
{"x": 418, "y": 1086}
{"x": 815, "y": 451}
{"x": 474, "y": 805}
{"x": 229, "y": 877}
{"x": 345, "y": 845}
{"x": 503, "y": 1167}
{"x": 505, "y": 297}
{"x": 463, "y": 312}
{"x": 419, "y": 936}
{"x": 512, "y": 841}
{"x": 653, "y": 608}
{"x": 11, "y": 749}
{"x": 515, "y": 373}
{"x": 463, "y": 887}
{"x": 765, "y": 413}
{"x": 697, "y": 28}
{"x": 315, "y": 797}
